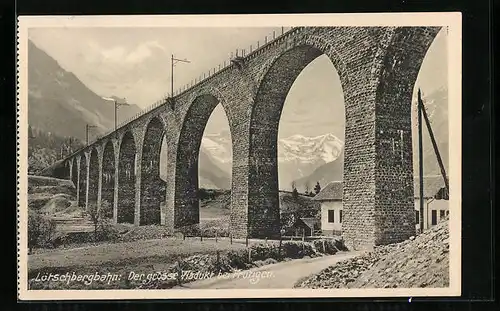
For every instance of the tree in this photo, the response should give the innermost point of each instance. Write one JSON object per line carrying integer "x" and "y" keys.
{"x": 99, "y": 218}
{"x": 306, "y": 186}
{"x": 41, "y": 229}
{"x": 317, "y": 188}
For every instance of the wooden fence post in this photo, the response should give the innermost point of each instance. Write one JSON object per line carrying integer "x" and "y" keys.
{"x": 249, "y": 255}
{"x": 216, "y": 236}
{"x": 246, "y": 241}
{"x": 179, "y": 273}
{"x": 201, "y": 235}
{"x": 231, "y": 238}
{"x": 324, "y": 249}
{"x": 279, "y": 251}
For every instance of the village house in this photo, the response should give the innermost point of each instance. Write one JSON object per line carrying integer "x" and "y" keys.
{"x": 435, "y": 204}
{"x": 330, "y": 198}
{"x": 435, "y": 201}
{"x": 307, "y": 226}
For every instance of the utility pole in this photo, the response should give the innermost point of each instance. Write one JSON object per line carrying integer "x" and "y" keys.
{"x": 173, "y": 62}
{"x": 87, "y": 127}
{"x": 420, "y": 164}
{"x": 433, "y": 140}
{"x": 117, "y": 105}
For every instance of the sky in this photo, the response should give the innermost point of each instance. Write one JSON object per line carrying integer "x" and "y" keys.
{"x": 135, "y": 63}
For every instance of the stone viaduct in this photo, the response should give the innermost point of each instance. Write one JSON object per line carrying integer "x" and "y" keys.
{"x": 377, "y": 66}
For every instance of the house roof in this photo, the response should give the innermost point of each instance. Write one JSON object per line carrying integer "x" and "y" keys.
{"x": 433, "y": 186}
{"x": 331, "y": 192}
{"x": 310, "y": 221}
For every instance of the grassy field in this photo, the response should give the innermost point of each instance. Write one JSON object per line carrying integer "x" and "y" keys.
{"x": 122, "y": 260}
{"x": 131, "y": 253}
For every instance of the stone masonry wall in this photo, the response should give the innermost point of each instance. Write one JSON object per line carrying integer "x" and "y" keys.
{"x": 126, "y": 179}
{"x": 108, "y": 177}
{"x": 152, "y": 187}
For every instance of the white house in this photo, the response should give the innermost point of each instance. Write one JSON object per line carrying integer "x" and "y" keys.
{"x": 435, "y": 204}
{"x": 435, "y": 201}
{"x": 331, "y": 208}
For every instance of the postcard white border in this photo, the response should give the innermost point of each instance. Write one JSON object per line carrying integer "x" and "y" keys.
{"x": 453, "y": 20}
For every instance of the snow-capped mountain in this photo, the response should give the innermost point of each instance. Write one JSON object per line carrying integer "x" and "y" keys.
{"x": 298, "y": 155}
{"x": 325, "y": 147}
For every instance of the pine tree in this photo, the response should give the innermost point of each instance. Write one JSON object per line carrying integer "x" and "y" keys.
{"x": 317, "y": 188}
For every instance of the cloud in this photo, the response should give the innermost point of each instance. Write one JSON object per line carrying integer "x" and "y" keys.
{"x": 120, "y": 54}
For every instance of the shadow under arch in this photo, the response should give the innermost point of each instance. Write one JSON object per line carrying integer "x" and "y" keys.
{"x": 83, "y": 181}
{"x": 74, "y": 173}
{"x": 126, "y": 179}
{"x": 108, "y": 179}
{"x": 263, "y": 203}
{"x": 93, "y": 177}
{"x": 153, "y": 192}
{"x": 187, "y": 212}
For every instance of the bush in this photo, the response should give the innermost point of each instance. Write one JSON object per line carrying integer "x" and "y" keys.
{"x": 238, "y": 258}
{"x": 263, "y": 251}
{"x": 103, "y": 227}
{"x": 41, "y": 230}
{"x": 297, "y": 249}
{"x": 211, "y": 232}
{"x": 325, "y": 246}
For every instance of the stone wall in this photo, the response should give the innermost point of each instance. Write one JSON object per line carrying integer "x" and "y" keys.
{"x": 126, "y": 180}
{"x": 152, "y": 187}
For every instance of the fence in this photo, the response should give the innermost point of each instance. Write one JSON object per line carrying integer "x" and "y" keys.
{"x": 230, "y": 256}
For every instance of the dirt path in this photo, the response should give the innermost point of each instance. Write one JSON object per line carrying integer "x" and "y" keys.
{"x": 279, "y": 275}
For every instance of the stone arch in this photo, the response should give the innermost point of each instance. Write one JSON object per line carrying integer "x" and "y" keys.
{"x": 126, "y": 179}
{"x": 186, "y": 200}
{"x": 93, "y": 176}
{"x": 108, "y": 177}
{"x": 375, "y": 80}
{"x": 82, "y": 181}
{"x": 153, "y": 190}
{"x": 263, "y": 205}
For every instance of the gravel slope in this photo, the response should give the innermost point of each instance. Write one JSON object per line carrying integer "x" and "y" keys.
{"x": 419, "y": 262}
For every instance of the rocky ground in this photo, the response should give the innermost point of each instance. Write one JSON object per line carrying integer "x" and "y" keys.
{"x": 418, "y": 262}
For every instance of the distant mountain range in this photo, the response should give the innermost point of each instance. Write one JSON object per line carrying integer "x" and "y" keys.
{"x": 60, "y": 103}
{"x": 307, "y": 160}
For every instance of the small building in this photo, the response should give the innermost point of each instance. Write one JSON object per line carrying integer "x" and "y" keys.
{"x": 306, "y": 226}
{"x": 435, "y": 201}
{"x": 435, "y": 204}
{"x": 330, "y": 198}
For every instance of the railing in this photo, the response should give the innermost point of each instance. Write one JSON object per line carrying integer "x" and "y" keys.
{"x": 196, "y": 82}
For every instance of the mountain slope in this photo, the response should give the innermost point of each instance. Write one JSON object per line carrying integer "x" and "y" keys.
{"x": 58, "y": 102}
{"x": 331, "y": 171}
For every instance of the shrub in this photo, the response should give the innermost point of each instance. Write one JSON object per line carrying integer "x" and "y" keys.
{"x": 238, "y": 258}
{"x": 211, "y": 232}
{"x": 325, "y": 246}
{"x": 103, "y": 227}
{"x": 263, "y": 251}
{"x": 41, "y": 230}
{"x": 297, "y": 249}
